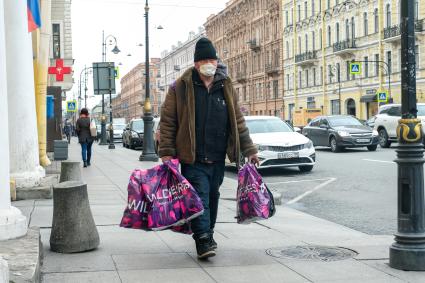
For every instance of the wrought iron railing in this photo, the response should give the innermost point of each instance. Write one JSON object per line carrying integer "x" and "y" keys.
{"x": 309, "y": 55}
{"x": 344, "y": 45}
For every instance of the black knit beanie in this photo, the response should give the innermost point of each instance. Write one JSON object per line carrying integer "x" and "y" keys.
{"x": 204, "y": 49}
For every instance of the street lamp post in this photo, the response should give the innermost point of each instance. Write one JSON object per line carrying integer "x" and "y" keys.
{"x": 338, "y": 71}
{"x": 148, "y": 153}
{"x": 103, "y": 140}
{"x": 85, "y": 84}
{"x": 408, "y": 250}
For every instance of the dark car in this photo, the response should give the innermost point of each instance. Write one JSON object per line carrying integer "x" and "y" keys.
{"x": 341, "y": 131}
{"x": 132, "y": 136}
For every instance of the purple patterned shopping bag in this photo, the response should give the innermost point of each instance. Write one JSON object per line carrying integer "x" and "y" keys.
{"x": 254, "y": 200}
{"x": 174, "y": 201}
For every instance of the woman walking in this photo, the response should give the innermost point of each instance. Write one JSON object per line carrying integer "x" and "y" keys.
{"x": 84, "y": 136}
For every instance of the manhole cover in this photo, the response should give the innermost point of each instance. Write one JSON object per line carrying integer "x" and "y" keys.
{"x": 312, "y": 253}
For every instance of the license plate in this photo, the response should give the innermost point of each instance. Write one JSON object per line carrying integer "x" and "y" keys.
{"x": 288, "y": 155}
{"x": 363, "y": 140}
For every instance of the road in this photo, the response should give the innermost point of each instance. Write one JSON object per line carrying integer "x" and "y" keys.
{"x": 355, "y": 188}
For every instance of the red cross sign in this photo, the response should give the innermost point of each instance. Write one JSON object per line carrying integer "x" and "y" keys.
{"x": 59, "y": 70}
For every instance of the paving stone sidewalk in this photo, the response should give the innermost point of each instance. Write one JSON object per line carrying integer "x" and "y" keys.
{"x": 127, "y": 255}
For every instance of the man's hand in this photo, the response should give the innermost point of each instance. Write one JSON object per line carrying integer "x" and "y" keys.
{"x": 254, "y": 159}
{"x": 166, "y": 158}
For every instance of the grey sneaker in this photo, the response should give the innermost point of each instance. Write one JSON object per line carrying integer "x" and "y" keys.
{"x": 204, "y": 248}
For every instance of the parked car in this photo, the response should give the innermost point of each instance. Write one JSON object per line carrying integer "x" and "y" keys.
{"x": 133, "y": 134}
{"x": 279, "y": 145}
{"x": 118, "y": 132}
{"x": 341, "y": 131}
{"x": 371, "y": 121}
{"x": 387, "y": 121}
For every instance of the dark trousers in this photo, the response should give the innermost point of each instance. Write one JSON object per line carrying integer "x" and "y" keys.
{"x": 86, "y": 151}
{"x": 206, "y": 179}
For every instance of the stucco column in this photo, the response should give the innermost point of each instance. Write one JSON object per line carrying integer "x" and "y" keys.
{"x": 12, "y": 223}
{"x": 23, "y": 137}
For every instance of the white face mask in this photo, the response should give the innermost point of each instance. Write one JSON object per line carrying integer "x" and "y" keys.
{"x": 208, "y": 69}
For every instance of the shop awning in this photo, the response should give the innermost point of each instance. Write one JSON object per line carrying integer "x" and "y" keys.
{"x": 368, "y": 98}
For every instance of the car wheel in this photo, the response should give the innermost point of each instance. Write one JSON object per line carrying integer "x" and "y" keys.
{"x": 372, "y": 147}
{"x": 306, "y": 168}
{"x": 383, "y": 139}
{"x": 334, "y": 145}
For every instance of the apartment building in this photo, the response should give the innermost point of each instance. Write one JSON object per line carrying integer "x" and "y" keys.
{"x": 248, "y": 37}
{"x": 322, "y": 37}
{"x": 133, "y": 91}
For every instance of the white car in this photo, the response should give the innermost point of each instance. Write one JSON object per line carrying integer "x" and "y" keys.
{"x": 386, "y": 122}
{"x": 279, "y": 145}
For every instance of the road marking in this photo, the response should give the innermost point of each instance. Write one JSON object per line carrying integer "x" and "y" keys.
{"x": 381, "y": 161}
{"x": 287, "y": 182}
{"x": 298, "y": 198}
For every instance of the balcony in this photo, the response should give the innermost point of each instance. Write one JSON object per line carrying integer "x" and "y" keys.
{"x": 240, "y": 76}
{"x": 344, "y": 47}
{"x": 254, "y": 45}
{"x": 272, "y": 68}
{"x": 306, "y": 58}
{"x": 393, "y": 33}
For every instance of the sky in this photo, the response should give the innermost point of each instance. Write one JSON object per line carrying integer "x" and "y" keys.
{"x": 125, "y": 20}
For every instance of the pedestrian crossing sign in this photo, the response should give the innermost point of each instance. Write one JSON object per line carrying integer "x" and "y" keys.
{"x": 382, "y": 96}
{"x": 71, "y": 106}
{"x": 355, "y": 68}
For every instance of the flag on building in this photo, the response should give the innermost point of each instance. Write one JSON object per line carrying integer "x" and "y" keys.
{"x": 34, "y": 19}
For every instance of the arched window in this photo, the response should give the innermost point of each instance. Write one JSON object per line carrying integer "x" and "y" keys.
{"x": 347, "y": 30}
{"x": 313, "y": 40}
{"x": 388, "y": 15}
{"x": 365, "y": 24}
{"x": 353, "y": 29}
{"x": 375, "y": 14}
{"x": 299, "y": 44}
{"x": 337, "y": 32}
{"x": 320, "y": 38}
{"x": 287, "y": 49}
{"x": 329, "y": 35}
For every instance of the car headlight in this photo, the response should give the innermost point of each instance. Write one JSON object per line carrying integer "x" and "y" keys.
{"x": 309, "y": 144}
{"x": 343, "y": 133}
{"x": 375, "y": 133}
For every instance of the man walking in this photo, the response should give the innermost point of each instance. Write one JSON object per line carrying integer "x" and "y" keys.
{"x": 200, "y": 123}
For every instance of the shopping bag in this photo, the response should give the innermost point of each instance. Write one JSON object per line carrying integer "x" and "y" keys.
{"x": 174, "y": 201}
{"x": 93, "y": 129}
{"x": 254, "y": 200}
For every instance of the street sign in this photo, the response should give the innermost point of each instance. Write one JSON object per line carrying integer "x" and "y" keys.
{"x": 382, "y": 96}
{"x": 355, "y": 68}
{"x": 71, "y": 106}
{"x": 104, "y": 78}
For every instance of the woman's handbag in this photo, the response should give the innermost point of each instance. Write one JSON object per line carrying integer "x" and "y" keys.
{"x": 93, "y": 129}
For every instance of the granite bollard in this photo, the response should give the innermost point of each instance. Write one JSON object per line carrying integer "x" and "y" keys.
{"x": 73, "y": 227}
{"x": 70, "y": 171}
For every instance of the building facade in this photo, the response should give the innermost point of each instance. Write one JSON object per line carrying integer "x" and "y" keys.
{"x": 248, "y": 38}
{"x": 133, "y": 91}
{"x": 175, "y": 62}
{"x": 322, "y": 38}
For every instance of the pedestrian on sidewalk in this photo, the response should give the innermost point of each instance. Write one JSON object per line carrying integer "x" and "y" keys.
{"x": 67, "y": 128}
{"x": 200, "y": 122}
{"x": 84, "y": 136}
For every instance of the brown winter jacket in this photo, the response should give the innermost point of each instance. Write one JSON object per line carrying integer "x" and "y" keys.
{"x": 177, "y": 125}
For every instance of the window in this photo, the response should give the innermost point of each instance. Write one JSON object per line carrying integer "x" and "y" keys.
{"x": 287, "y": 49}
{"x": 348, "y": 70}
{"x": 306, "y": 78}
{"x": 338, "y": 72}
{"x": 315, "y": 122}
{"x": 313, "y": 40}
{"x": 320, "y": 38}
{"x": 292, "y": 16}
{"x": 365, "y": 23}
{"x": 299, "y": 44}
{"x": 291, "y": 107}
{"x": 347, "y": 30}
{"x": 329, "y": 4}
{"x": 287, "y": 18}
{"x": 389, "y": 61}
{"x": 312, "y": 8}
{"x": 388, "y": 15}
{"x": 306, "y": 42}
{"x": 56, "y": 41}
{"x": 299, "y": 13}
{"x": 335, "y": 107}
{"x": 314, "y": 76}
{"x": 287, "y": 82}
{"x": 353, "y": 28}
{"x": 366, "y": 67}
{"x": 311, "y": 104}
{"x": 376, "y": 64}
{"x": 337, "y": 32}
{"x": 299, "y": 79}
{"x": 329, "y": 74}
{"x": 305, "y": 10}
{"x": 416, "y": 10}
{"x": 275, "y": 89}
{"x": 320, "y": 5}
{"x": 321, "y": 75}
{"x": 395, "y": 111}
{"x": 329, "y": 36}
{"x": 376, "y": 16}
